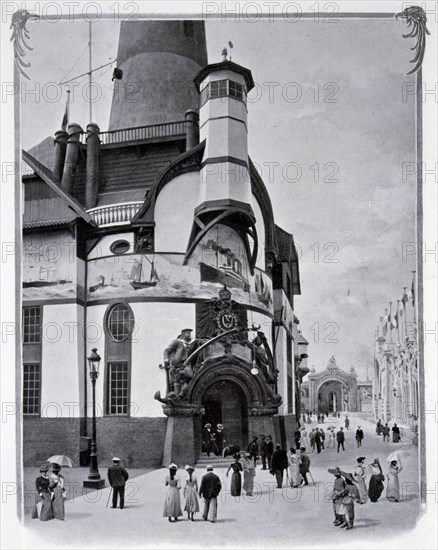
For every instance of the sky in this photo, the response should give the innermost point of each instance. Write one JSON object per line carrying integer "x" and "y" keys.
{"x": 329, "y": 129}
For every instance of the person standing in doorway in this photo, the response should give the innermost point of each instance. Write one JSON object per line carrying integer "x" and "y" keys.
{"x": 253, "y": 449}
{"x": 269, "y": 450}
{"x": 117, "y": 477}
{"x": 210, "y": 488}
{"x": 340, "y": 438}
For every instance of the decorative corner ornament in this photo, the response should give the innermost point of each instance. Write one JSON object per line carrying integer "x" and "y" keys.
{"x": 415, "y": 17}
{"x": 20, "y": 35}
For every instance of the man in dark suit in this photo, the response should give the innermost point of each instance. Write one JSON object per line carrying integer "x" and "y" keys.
{"x": 279, "y": 464}
{"x": 253, "y": 449}
{"x": 117, "y": 477}
{"x": 210, "y": 488}
{"x": 304, "y": 465}
{"x": 340, "y": 438}
{"x": 263, "y": 450}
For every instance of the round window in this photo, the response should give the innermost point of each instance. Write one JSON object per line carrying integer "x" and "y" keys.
{"x": 120, "y": 247}
{"x": 120, "y": 322}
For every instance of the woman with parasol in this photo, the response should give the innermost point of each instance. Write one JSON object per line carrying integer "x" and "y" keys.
{"x": 393, "y": 487}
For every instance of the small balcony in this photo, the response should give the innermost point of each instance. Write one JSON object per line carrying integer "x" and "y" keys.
{"x": 144, "y": 133}
{"x": 115, "y": 214}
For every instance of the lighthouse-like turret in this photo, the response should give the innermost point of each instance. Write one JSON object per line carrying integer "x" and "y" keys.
{"x": 159, "y": 60}
{"x": 224, "y": 178}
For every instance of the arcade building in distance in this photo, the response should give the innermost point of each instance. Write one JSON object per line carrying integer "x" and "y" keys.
{"x": 131, "y": 235}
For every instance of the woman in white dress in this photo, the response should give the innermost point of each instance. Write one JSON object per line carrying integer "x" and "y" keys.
{"x": 304, "y": 439}
{"x": 248, "y": 474}
{"x": 191, "y": 494}
{"x": 294, "y": 468}
{"x": 172, "y": 504}
{"x": 359, "y": 476}
{"x": 393, "y": 486}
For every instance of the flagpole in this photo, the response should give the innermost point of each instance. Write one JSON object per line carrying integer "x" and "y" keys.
{"x": 90, "y": 74}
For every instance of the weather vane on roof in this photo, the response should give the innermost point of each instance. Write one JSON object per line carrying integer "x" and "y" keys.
{"x": 225, "y": 51}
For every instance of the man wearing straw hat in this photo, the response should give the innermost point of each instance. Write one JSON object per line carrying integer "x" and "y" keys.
{"x": 117, "y": 477}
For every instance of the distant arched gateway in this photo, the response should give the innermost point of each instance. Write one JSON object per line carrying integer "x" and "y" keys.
{"x": 329, "y": 391}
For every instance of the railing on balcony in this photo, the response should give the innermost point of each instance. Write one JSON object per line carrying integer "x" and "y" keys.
{"x": 140, "y": 133}
{"x": 115, "y": 214}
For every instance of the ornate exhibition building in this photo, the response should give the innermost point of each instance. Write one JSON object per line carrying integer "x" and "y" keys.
{"x": 155, "y": 243}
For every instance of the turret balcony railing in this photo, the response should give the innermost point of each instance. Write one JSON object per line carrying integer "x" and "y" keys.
{"x": 142, "y": 133}
{"x": 115, "y": 214}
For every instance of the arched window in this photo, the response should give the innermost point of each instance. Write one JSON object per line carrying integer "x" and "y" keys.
{"x": 120, "y": 322}
{"x": 119, "y": 326}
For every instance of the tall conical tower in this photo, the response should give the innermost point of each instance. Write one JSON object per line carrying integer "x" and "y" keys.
{"x": 159, "y": 60}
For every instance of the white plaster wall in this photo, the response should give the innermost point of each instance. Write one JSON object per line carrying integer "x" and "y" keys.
{"x": 225, "y": 137}
{"x": 159, "y": 323}
{"x": 96, "y": 339}
{"x": 62, "y": 361}
{"x": 225, "y": 180}
{"x": 174, "y": 213}
{"x": 260, "y": 227}
{"x": 102, "y": 248}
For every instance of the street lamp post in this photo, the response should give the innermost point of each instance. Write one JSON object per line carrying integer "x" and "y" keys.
{"x": 94, "y": 480}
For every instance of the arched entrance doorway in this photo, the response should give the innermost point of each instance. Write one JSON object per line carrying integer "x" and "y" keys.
{"x": 330, "y": 397}
{"x": 225, "y": 403}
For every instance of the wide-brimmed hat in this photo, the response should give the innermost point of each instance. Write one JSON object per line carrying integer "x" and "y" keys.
{"x": 335, "y": 471}
{"x": 360, "y": 459}
{"x": 219, "y": 427}
{"x": 173, "y": 466}
{"x": 187, "y": 330}
{"x": 116, "y": 459}
{"x": 247, "y": 455}
{"x": 208, "y": 425}
{"x": 348, "y": 476}
{"x": 56, "y": 467}
{"x": 209, "y": 467}
{"x": 44, "y": 468}
{"x": 188, "y": 467}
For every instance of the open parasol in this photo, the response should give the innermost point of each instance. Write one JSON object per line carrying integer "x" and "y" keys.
{"x": 395, "y": 455}
{"x": 62, "y": 460}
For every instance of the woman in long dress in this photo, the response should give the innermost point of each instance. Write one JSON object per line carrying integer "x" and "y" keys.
{"x": 294, "y": 468}
{"x": 58, "y": 490}
{"x": 236, "y": 478}
{"x": 305, "y": 439}
{"x": 376, "y": 486}
{"x": 359, "y": 476}
{"x": 248, "y": 474}
{"x": 172, "y": 504}
{"x": 44, "y": 493}
{"x": 393, "y": 487}
{"x": 191, "y": 494}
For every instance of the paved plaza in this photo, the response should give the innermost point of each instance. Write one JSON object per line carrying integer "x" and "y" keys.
{"x": 271, "y": 517}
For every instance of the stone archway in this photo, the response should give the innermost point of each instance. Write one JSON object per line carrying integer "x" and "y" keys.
{"x": 330, "y": 397}
{"x": 224, "y": 402}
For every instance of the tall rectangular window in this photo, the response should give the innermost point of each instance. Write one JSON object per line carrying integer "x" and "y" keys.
{"x": 31, "y": 388}
{"x": 31, "y": 325}
{"x": 118, "y": 388}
